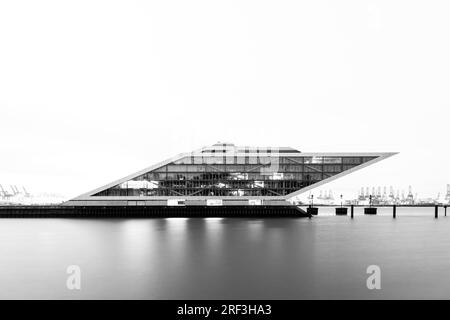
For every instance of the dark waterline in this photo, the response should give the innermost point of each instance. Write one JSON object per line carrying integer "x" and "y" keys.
{"x": 232, "y": 258}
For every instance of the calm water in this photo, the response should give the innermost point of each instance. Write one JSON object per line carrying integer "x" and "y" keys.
{"x": 176, "y": 258}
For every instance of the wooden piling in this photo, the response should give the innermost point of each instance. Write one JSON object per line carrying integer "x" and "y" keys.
{"x": 312, "y": 210}
{"x": 352, "y": 209}
{"x": 394, "y": 211}
{"x": 436, "y": 210}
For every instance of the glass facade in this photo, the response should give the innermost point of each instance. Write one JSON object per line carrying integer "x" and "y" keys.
{"x": 223, "y": 175}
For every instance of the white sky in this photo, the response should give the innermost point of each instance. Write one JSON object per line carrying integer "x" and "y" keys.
{"x": 91, "y": 91}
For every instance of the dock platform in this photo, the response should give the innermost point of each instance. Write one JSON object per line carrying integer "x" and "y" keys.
{"x": 57, "y": 211}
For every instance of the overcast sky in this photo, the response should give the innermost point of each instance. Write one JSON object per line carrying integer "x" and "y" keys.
{"x": 91, "y": 91}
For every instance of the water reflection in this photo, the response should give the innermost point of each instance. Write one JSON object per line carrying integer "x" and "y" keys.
{"x": 176, "y": 258}
{"x": 255, "y": 229}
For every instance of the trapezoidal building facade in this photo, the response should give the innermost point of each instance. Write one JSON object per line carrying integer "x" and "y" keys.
{"x": 227, "y": 176}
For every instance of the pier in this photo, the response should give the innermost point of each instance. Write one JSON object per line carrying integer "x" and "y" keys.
{"x": 58, "y": 211}
{"x": 372, "y": 209}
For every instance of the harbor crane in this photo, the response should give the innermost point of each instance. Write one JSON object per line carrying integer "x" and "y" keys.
{"x": 5, "y": 194}
{"x": 14, "y": 190}
{"x": 25, "y": 192}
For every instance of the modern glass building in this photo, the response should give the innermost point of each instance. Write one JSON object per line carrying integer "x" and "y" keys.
{"x": 226, "y": 175}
